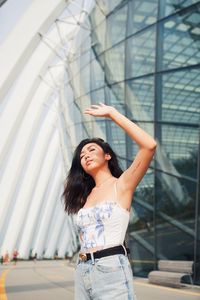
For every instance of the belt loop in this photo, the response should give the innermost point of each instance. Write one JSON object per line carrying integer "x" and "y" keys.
{"x": 124, "y": 250}
{"x": 92, "y": 258}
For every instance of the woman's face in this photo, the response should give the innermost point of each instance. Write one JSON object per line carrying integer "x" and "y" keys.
{"x": 93, "y": 158}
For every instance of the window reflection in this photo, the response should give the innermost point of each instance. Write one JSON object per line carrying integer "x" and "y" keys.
{"x": 114, "y": 63}
{"x": 141, "y": 14}
{"x": 181, "y": 94}
{"x": 179, "y": 142}
{"x": 142, "y": 53}
{"x": 116, "y": 27}
{"x": 97, "y": 73}
{"x": 181, "y": 40}
{"x": 141, "y": 97}
{"x": 172, "y": 6}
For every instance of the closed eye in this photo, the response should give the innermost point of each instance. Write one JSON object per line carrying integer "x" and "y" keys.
{"x": 90, "y": 150}
{"x": 82, "y": 155}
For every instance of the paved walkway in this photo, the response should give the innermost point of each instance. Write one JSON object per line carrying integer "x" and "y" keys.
{"x": 53, "y": 280}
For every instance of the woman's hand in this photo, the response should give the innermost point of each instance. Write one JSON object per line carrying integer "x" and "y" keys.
{"x": 100, "y": 110}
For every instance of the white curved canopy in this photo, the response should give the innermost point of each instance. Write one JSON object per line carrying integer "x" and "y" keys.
{"x": 37, "y": 122}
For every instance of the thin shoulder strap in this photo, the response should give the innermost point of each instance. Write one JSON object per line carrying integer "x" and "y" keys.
{"x": 115, "y": 187}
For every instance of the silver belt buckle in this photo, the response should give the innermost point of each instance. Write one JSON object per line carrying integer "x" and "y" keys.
{"x": 82, "y": 256}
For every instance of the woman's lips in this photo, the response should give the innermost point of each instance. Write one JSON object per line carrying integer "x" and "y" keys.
{"x": 88, "y": 162}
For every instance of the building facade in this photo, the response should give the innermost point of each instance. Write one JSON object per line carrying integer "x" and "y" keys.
{"x": 145, "y": 61}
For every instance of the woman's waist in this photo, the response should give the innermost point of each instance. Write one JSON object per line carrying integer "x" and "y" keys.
{"x": 97, "y": 248}
{"x": 111, "y": 251}
{"x": 95, "y": 243}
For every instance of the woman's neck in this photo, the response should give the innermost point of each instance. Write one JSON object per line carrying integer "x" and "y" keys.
{"x": 101, "y": 178}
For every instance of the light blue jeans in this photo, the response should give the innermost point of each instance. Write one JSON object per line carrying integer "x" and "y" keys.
{"x": 107, "y": 278}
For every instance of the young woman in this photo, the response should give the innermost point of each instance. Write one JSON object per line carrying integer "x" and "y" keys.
{"x": 101, "y": 194}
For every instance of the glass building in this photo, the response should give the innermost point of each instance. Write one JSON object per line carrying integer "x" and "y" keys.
{"x": 141, "y": 56}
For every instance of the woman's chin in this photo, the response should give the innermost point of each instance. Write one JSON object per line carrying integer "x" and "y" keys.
{"x": 91, "y": 169}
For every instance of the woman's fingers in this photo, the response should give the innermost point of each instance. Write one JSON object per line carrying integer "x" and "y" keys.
{"x": 98, "y": 106}
{"x": 99, "y": 110}
{"x": 95, "y": 106}
{"x": 92, "y": 109}
{"x": 89, "y": 111}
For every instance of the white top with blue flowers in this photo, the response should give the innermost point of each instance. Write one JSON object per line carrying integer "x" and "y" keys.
{"x": 102, "y": 226}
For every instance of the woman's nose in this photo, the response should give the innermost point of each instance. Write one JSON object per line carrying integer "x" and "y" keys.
{"x": 86, "y": 155}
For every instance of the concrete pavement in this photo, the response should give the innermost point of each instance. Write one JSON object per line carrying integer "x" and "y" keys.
{"x": 54, "y": 280}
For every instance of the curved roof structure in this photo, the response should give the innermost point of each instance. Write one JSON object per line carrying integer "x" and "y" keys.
{"x": 37, "y": 113}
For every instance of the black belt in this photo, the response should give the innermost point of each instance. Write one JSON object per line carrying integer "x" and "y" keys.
{"x": 105, "y": 252}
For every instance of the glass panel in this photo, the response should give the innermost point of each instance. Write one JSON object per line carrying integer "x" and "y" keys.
{"x": 175, "y": 217}
{"x": 181, "y": 94}
{"x": 95, "y": 126}
{"x": 97, "y": 73}
{"x": 115, "y": 97}
{"x": 98, "y": 38}
{"x": 180, "y": 249}
{"x": 118, "y": 140}
{"x": 140, "y": 98}
{"x": 116, "y": 27}
{"x": 179, "y": 149}
{"x": 176, "y": 198}
{"x": 141, "y": 228}
{"x": 111, "y": 4}
{"x": 107, "y": 7}
{"x": 97, "y": 96}
{"x": 141, "y": 14}
{"x": 82, "y": 103}
{"x": 172, "y": 6}
{"x": 114, "y": 63}
{"x": 99, "y": 128}
{"x": 82, "y": 129}
{"x": 141, "y": 49}
{"x": 181, "y": 40}
{"x": 84, "y": 80}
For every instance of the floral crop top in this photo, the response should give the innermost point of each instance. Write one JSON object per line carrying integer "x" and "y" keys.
{"x": 103, "y": 225}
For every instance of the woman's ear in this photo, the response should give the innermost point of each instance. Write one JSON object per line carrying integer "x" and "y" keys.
{"x": 107, "y": 156}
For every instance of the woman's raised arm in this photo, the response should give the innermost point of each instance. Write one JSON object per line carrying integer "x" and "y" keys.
{"x": 147, "y": 145}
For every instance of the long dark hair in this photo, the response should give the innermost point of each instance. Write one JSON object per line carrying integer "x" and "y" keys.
{"x": 79, "y": 184}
